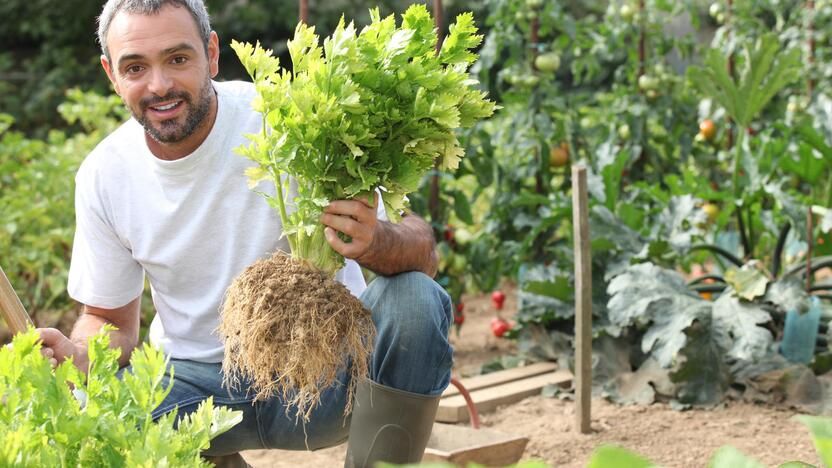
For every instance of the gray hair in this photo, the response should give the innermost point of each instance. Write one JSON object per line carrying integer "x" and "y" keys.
{"x": 149, "y": 7}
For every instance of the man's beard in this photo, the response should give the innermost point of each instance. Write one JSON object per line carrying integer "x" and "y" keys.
{"x": 172, "y": 131}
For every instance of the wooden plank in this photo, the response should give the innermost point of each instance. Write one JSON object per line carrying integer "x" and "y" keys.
{"x": 11, "y": 308}
{"x": 462, "y": 445}
{"x": 454, "y": 409}
{"x": 500, "y": 377}
{"x": 583, "y": 300}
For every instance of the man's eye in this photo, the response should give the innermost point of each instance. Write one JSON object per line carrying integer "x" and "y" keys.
{"x": 179, "y": 60}
{"x": 133, "y": 69}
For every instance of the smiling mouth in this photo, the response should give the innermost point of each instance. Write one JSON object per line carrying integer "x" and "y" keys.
{"x": 166, "y": 107}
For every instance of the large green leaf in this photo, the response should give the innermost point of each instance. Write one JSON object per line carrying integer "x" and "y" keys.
{"x": 815, "y": 140}
{"x": 766, "y": 70}
{"x": 748, "y": 282}
{"x": 646, "y": 295}
{"x": 807, "y": 166}
{"x": 701, "y": 375}
{"x": 821, "y": 435}
{"x": 559, "y": 288}
{"x": 789, "y": 293}
{"x": 680, "y": 222}
{"x": 736, "y": 327}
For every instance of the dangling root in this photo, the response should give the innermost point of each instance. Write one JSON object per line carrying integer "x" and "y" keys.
{"x": 289, "y": 329}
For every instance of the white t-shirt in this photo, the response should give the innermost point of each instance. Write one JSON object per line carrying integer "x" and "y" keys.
{"x": 191, "y": 225}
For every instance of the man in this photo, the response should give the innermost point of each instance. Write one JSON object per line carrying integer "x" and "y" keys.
{"x": 164, "y": 197}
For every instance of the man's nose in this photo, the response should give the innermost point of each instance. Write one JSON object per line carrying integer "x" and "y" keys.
{"x": 160, "y": 82}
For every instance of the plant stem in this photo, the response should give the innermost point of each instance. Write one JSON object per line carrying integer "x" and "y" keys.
{"x": 284, "y": 218}
{"x": 829, "y": 191}
{"x": 281, "y": 205}
{"x": 735, "y": 181}
{"x": 809, "y": 238}
{"x": 741, "y": 228}
{"x": 778, "y": 250}
{"x": 717, "y": 250}
{"x": 316, "y": 250}
{"x": 750, "y": 220}
{"x": 810, "y": 83}
{"x": 735, "y": 178}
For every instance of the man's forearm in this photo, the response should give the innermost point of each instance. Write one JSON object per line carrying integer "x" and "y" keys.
{"x": 89, "y": 324}
{"x": 405, "y": 246}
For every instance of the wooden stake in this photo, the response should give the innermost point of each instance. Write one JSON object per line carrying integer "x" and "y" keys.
{"x": 303, "y": 6}
{"x": 583, "y": 301}
{"x": 11, "y": 308}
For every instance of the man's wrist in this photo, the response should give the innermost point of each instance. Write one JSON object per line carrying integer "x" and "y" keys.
{"x": 370, "y": 259}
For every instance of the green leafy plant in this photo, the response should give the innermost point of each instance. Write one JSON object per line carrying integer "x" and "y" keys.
{"x": 57, "y": 417}
{"x": 766, "y": 70}
{"x": 36, "y": 197}
{"x": 368, "y": 111}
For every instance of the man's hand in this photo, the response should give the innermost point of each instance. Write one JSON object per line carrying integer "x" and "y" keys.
{"x": 355, "y": 218}
{"x": 57, "y": 348}
{"x": 381, "y": 246}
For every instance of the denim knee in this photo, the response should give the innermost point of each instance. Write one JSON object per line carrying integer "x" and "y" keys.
{"x": 412, "y": 314}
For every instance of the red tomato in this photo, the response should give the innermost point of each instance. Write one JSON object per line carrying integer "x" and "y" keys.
{"x": 449, "y": 233}
{"x": 497, "y": 299}
{"x": 499, "y": 326}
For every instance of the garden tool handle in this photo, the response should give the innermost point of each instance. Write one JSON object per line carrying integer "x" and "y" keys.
{"x": 11, "y": 308}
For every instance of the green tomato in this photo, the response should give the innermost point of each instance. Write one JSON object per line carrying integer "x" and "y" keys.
{"x": 647, "y": 83}
{"x": 627, "y": 12}
{"x": 534, "y": 4}
{"x": 624, "y": 132}
{"x": 463, "y": 236}
{"x": 720, "y": 18}
{"x": 715, "y": 9}
{"x": 527, "y": 81}
{"x": 458, "y": 264}
{"x": 548, "y": 62}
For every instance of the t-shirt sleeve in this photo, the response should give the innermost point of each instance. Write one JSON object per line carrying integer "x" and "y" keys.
{"x": 102, "y": 272}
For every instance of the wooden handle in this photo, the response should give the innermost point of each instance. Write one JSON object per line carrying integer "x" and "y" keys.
{"x": 11, "y": 308}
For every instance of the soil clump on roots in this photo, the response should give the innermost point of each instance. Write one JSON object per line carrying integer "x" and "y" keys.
{"x": 289, "y": 329}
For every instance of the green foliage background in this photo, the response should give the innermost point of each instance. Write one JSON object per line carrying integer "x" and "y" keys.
{"x": 50, "y": 47}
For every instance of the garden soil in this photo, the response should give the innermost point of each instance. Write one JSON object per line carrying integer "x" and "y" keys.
{"x": 665, "y": 436}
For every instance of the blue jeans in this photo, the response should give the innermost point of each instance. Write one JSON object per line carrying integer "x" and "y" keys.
{"x": 412, "y": 315}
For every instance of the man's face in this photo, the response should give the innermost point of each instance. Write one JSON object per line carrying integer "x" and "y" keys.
{"x": 159, "y": 68}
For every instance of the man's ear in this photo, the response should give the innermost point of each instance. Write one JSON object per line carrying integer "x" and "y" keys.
{"x": 213, "y": 54}
{"x": 110, "y": 73}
